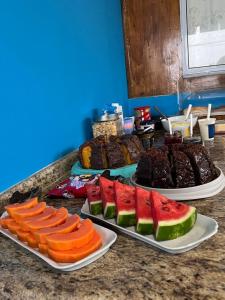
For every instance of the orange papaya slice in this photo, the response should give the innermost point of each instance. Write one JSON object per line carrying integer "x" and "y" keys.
{"x": 76, "y": 254}
{"x": 75, "y": 239}
{"x": 13, "y": 227}
{"x": 3, "y": 221}
{"x": 46, "y": 214}
{"x": 70, "y": 224}
{"x": 31, "y": 240}
{"x": 29, "y": 212}
{"x": 43, "y": 248}
{"x": 27, "y": 204}
{"x": 22, "y": 235}
{"x": 57, "y": 219}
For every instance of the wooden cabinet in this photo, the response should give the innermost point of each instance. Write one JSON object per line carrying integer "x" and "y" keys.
{"x": 153, "y": 46}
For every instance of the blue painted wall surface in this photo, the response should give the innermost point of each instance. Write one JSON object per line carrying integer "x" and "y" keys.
{"x": 167, "y": 104}
{"x": 59, "y": 61}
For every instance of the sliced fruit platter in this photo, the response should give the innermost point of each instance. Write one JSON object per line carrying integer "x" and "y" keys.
{"x": 147, "y": 215}
{"x": 65, "y": 241}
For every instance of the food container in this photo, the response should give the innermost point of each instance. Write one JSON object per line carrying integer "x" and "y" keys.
{"x": 165, "y": 122}
{"x": 107, "y": 125}
{"x": 142, "y": 115}
{"x": 182, "y": 127}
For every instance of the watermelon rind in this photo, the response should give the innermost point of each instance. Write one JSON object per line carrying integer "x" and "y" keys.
{"x": 110, "y": 210}
{"x": 126, "y": 218}
{"x": 169, "y": 230}
{"x": 95, "y": 207}
{"x": 144, "y": 226}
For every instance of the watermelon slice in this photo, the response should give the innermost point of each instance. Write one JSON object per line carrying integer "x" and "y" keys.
{"x": 108, "y": 197}
{"x": 125, "y": 204}
{"x": 94, "y": 199}
{"x": 171, "y": 219}
{"x": 143, "y": 212}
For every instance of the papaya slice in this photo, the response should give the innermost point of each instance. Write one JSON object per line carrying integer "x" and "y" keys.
{"x": 13, "y": 226}
{"x": 46, "y": 214}
{"x": 76, "y": 254}
{"x": 75, "y": 239}
{"x": 57, "y": 219}
{"x": 27, "y": 204}
{"x": 22, "y": 235}
{"x": 31, "y": 240}
{"x": 43, "y": 248}
{"x": 70, "y": 224}
{"x": 29, "y": 212}
{"x": 3, "y": 221}
{"x": 7, "y": 221}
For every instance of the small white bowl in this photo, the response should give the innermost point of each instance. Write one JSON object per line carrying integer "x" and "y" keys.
{"x": 165, "y": 122}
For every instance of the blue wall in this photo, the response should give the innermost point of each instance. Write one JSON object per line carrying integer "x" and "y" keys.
{"x": 59, "y": 61}
{"x": 167, "y": 104}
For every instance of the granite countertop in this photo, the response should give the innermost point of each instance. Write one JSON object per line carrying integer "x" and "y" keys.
{"x": 131, "y": 269}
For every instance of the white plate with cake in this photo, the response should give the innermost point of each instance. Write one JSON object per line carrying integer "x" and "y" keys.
{"x": 192, "y": 193}
{"x": 181, "y": 172}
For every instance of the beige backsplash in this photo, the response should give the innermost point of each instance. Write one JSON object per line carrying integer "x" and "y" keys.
{"x": 45, "y": 178}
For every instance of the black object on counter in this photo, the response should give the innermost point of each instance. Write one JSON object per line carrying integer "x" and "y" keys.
{"x": 107, "y": 175}
{"x": 18, "y": 197}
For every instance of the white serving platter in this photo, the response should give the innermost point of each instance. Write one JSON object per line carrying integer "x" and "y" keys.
{"x": 193, "y": 193}
{"x": 203, "y": 229}
{"x": 108, "y": 238}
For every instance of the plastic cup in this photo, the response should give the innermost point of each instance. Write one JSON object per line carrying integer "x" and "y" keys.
{"x": 128, "y": 125}
{"x": 207, "y": 129}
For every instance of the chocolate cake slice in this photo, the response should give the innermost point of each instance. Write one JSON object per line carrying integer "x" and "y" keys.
{"x": 144, "y": 170}
{"x": 214, "y": 170}
{"x": 132, "y": 148}
{"x": 161, "y": 170}
{"x": 98, "y": 157}
{"x": 115, "y": 155}
{"x": 183, "y": 173}
{"x": 200, "y": 163}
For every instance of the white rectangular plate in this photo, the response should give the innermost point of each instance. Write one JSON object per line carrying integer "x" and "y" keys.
{"x": 203, "y": 229}
{"x": 108, "y": 238}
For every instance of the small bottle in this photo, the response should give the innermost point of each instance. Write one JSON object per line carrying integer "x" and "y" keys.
{"x": 119, "y": 111}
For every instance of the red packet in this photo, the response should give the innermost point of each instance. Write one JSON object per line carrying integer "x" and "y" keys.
{"x": 73, "y": 187}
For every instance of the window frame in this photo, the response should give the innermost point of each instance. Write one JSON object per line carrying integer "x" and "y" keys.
{"x": 187, "y": 71}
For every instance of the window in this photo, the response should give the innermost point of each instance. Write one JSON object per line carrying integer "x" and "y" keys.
{"x": 203, "y": 37}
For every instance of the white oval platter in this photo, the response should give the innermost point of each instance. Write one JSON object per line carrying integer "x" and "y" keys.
{"x": 108, "y": 238}
{"x": 204, "y": 228}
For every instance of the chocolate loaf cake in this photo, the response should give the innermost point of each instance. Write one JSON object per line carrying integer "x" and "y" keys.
{"x": 178, "y": 166}
{"x": 114, "y": 152}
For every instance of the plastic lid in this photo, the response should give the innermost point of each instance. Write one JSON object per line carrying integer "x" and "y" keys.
{"x": 108, "y": 117}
